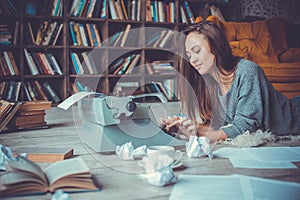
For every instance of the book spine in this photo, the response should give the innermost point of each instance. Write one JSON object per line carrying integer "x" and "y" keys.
{"x": 40, "y": 90}
{"x": 83, "y": 35}
{"x": 53, "y": 96}
{"x": 56, "y": 35}
{"x": 73, "y": 34}
{"x": 75, "y": 64}
{"x": 13, "y": 62}
{"x": 10, "y": 67}
{"x": 31, "y": 64}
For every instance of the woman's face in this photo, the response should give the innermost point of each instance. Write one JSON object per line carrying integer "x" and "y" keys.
{"x": 199, "y": 54}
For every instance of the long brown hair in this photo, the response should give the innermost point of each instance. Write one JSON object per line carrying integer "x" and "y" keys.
{"x": 204, "y": 87}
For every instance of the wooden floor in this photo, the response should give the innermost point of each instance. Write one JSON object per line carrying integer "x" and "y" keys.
{"x": 119, "y": 179}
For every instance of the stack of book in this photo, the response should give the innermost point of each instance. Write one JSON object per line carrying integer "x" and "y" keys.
{"x": 7, "y": 112}
{"x": 31, "y": 114}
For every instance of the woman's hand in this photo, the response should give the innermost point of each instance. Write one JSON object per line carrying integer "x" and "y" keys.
{"x": 169, "y": 125}
{"x": 182, "y": 126}
{"x": 210, "y": 133}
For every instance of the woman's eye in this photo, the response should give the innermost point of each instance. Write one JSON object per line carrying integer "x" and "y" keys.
{"x": 197, "y": 51}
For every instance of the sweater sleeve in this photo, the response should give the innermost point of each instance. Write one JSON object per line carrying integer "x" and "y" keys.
{"x": 251, "y": 93}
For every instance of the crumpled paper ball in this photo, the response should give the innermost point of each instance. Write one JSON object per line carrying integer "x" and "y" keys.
{"x": 254, "y": 139}
{"x": 158, "y": 170}
{"x": 5, "y": 155}
{"x": 198, "y": 146}
{"x": 155, "y": 163}
{"x": 127, "y": 151}
{"x": 161, "y": 177}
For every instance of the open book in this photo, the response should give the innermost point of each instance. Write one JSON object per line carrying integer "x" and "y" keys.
{"x": 26, "y": 177}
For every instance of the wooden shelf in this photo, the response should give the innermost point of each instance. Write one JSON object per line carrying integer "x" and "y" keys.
{"x": 105, "y": 54}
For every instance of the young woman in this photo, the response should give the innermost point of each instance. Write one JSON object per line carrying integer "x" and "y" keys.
{"x": 231, "y": 95}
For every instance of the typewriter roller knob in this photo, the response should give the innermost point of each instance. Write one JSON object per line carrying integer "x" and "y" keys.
{"x": 131, "y": 106}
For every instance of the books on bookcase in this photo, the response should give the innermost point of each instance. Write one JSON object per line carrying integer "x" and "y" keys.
{"x": 85, "y": 34}
{"x": 42, "y": 63}
{"x": 120, "y": 10}
{"x": 34, "y": 90}
{"x": 92, "y": 8}
{"x": 160, "y": 11}
{"x": 50, "y": 42}
{"x": 186, "y": 13}
{"x": 125, "y": 64}
{"x": 9, "y": 34}
{"x": 10, "y": 90}
{"x": 8, "y": 64}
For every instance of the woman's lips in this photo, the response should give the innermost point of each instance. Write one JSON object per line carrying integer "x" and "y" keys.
{"x": 198, "y": 67}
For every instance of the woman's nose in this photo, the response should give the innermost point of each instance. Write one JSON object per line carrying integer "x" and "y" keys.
{"x": 193, "y": 59}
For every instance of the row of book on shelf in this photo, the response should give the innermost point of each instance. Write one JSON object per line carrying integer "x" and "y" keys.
{"x": 85, "y": 34}
{"x": 156, "y": 10}
{"x": 23, "y": 115}
{"x": 9, "y": 35}
{"x": 42, "y": 63}
{"x": 8, "y": 65}
{"x": 47, "y": 33}
{"x": 83, "y": 64}
{"x": 10, "y": 91}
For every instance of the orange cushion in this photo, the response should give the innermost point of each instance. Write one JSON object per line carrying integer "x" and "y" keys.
{"x": 290, "y": 56}
{"x": 282, "y": 72}
{"x": 255, "y": 36}
{"x": 239, "y": 49}
{"x": 276, "y": 27}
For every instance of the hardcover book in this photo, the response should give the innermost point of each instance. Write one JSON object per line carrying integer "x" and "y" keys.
{"x": 25, "y": 177}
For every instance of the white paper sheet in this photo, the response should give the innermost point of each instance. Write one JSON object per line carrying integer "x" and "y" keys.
{"x": 261, "y": 157}
{"x": 240, "y": 163}
{"x": 74, "y": 99}
{"x": 232, "y": 187}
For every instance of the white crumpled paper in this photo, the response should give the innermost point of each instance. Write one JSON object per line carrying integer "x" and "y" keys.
{"x": 60, "y": 195}
{"x": 198, "y": 146}
{"x": 5, "y": 155}
{"x": 127, "y": 151}
{"x": 162, "y": 177}
{"x": 158, "y": 170}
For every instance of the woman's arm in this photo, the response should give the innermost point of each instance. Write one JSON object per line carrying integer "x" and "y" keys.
{"x": 187, "y": 127}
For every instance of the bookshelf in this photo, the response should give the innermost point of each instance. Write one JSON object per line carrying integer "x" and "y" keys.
{"x": 79, "y": 40}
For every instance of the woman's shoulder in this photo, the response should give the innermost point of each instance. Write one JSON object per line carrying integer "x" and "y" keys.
{"x": 248, "y": 68}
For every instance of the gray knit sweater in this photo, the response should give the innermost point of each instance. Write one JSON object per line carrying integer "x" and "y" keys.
{"x": 252, "y": 103}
